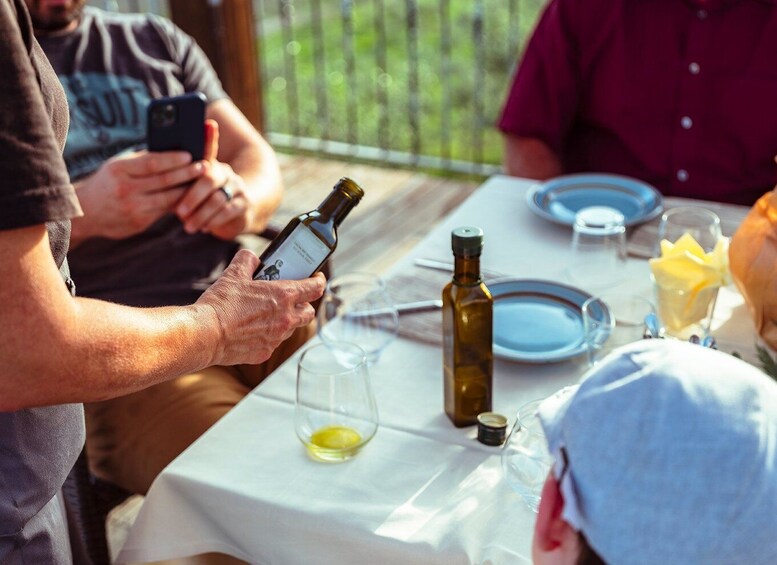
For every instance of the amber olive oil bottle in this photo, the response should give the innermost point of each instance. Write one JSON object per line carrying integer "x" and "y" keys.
{"x": 467, "y": 318}
{"x": 310, "y": 238}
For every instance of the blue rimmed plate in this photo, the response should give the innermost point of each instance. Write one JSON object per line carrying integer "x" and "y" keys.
{"x": 558, "y": 199}
{"x": 537, "y": 321}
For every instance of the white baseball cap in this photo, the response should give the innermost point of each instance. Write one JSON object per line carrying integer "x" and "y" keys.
{"x": 667, "y": 453}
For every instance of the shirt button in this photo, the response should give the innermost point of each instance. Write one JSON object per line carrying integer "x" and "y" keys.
{"x": 702, "y": 14}
{"x": 682, "y": 175}
{"x": 686, "y": 122}
{"x": 694, "y": 68}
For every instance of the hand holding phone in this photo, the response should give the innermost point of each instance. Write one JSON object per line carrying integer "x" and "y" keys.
{"x": 177, "y": 123}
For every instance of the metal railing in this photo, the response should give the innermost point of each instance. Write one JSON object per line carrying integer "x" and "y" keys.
{"x": 416, "y": 83}
{"x": 404, "y": 82}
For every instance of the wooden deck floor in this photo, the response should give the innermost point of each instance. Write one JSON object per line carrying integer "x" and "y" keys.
{"x": 398, "y": 209}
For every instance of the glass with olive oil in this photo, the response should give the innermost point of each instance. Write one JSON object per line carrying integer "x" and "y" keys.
{"x": 335, "y": 414}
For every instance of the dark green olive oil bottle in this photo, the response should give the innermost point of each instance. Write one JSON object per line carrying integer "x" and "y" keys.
{"x": 467, "y": 318}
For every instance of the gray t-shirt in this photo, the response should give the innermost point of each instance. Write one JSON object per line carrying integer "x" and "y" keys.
{"x": 111, "y": 66}
{"x": 37, "y": 446}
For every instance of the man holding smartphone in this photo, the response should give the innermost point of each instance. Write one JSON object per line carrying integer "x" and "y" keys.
{"x": 158, "y": 228}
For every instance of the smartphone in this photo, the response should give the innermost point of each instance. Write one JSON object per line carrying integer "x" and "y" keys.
{"x": 177, "y": 123}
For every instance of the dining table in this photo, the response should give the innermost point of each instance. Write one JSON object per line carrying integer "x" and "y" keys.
{"x": 422, "y": 490}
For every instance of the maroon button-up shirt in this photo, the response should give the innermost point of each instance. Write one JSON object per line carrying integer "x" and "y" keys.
{"x": 679, "y": 93}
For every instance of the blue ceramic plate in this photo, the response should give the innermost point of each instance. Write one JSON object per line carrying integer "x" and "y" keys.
{"x": 538, "y": 321}
{"x": 560, "y": 198}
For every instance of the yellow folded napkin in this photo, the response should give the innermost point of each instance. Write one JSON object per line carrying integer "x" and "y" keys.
{"x": 687, "y": 279}
{"x": 685, "y": 266}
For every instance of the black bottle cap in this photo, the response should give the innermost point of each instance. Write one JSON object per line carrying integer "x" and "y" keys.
{"x": 467, "y": 240}
{"x": 350, "y": 188}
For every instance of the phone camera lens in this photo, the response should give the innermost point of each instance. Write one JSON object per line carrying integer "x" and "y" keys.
{"x": 163, "y": 116}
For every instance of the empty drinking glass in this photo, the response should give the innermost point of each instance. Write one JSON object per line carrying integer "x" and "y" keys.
{"x": 525, "y": 457}
{"x": 598, "y": 248}
{"x": 356, "y": 308}
{"x": 613, "y": 319}
{"x": 335, "y": 413}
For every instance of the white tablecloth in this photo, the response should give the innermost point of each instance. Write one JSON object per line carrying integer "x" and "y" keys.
{"x": 422, "y": 491}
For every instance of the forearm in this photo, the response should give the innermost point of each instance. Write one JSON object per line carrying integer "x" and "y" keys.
{"x": 251, "y": 157}
{"x": 530, "y": 158}
{"x": 108, "y": 350}
{"x": 97, "y": 350}
{"x": 60, "y": 349}
{"x": 258, "y": 166}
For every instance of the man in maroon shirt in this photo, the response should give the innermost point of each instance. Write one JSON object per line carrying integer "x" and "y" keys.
{"x": 679, "y": 93}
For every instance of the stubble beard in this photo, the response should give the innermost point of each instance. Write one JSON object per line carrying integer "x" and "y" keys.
{"x": 56, "y": 19}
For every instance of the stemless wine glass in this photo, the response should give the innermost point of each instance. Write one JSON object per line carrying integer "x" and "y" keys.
{"x": 525, "y": 457}
{"x": 335, "y": 414}
{"x": 356, "y": 308}
{"x": 526, "y": 460}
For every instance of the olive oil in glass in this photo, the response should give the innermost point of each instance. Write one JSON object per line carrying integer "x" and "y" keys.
{"x": 467, "y": 317}
{"x": 335, "y": 414}
{"x": 310, "y": 238}
{"x": 334, "y": 443}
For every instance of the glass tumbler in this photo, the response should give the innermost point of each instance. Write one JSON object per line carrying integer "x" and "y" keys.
{"x": 702, "y": 224}
{"x": 335, "y": 413}
{"x": 356, "y": 308}
{"x": 684, "y": 313}
{"x": 598, "y": 248}
{"x": 613, "y": 319}
{"x": 525, "y": 457}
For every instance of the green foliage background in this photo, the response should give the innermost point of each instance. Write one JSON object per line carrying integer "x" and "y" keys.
{"x": 338, "y": 106}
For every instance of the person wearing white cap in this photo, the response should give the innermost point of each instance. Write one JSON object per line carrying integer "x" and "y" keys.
{"x": 666, "y": 453}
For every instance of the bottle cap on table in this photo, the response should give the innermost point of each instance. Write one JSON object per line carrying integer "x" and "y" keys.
{"x": 491, "y": 428}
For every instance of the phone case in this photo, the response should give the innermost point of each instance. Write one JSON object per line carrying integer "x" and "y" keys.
{"x": 177, "y": 123}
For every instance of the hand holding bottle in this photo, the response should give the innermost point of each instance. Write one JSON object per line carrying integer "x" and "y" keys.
{"x": 254, "y": 317}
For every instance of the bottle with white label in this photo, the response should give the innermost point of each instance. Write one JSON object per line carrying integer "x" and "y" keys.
{"x": 310, "y": 238}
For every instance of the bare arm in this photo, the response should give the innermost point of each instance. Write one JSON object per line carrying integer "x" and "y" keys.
{"x": 251, "y": 157}
{"x": 530, "y": 158}
{"x": 60, "y": 349}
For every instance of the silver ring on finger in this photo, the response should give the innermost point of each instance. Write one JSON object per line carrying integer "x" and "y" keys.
{"x": 226, "y": 190}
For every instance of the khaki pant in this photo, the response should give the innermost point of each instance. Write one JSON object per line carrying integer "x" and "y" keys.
{"x": 130, "y": 439}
